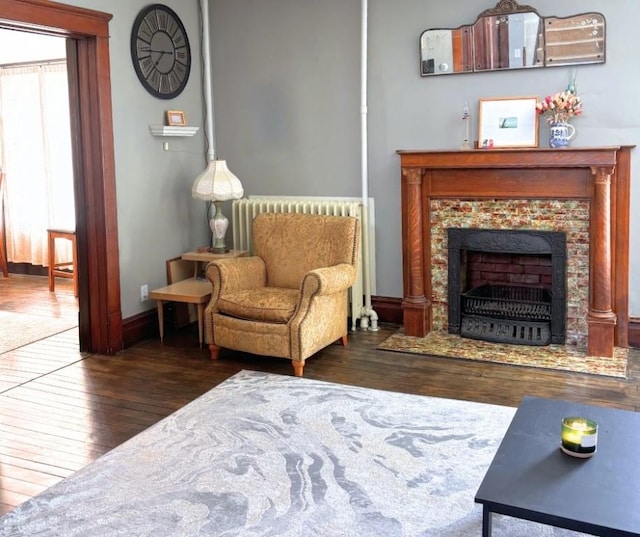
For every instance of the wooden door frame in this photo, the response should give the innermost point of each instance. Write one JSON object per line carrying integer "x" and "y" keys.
{"x": 100, "y": 315}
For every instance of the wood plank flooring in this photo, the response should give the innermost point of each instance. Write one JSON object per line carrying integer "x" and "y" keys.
{"x": 61, "y": 409}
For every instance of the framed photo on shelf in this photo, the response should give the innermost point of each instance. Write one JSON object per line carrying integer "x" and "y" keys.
{"x": 176, "y": 118}
{"x": 508, "y": 122}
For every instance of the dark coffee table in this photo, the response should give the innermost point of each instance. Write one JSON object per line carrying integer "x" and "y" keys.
{"x": 530, "y": 478}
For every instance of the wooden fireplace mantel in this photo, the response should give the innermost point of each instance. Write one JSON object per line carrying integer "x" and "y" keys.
{"x": 598, "y": 174}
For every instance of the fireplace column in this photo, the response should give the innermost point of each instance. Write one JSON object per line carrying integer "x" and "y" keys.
{"x": 415, "y": 307}
{"x": 601, "y": 319}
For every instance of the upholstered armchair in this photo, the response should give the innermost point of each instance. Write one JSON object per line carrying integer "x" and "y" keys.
{"x": 289, "y": 299}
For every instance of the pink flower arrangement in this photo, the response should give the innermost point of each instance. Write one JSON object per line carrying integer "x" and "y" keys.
{"x": 560, "y": 107}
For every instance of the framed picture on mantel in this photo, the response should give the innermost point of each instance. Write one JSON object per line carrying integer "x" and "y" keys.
{"x": 508, "y": 122}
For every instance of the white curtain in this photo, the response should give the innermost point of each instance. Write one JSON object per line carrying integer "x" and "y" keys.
{"x": 35, "y": 140}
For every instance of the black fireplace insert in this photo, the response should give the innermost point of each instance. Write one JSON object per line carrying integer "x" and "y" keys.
{"x": 507, "y": 313}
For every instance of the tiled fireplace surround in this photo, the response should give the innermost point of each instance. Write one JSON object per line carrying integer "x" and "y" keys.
{"x": 581, "y": 192}
{"x": 570, "y": 217}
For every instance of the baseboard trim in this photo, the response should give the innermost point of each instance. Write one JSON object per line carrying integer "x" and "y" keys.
{"x": 634, "y": 331}
{"x": 389, "y": 310}
{"x": 141, "y": 326}
{"x": 27, "y": 268}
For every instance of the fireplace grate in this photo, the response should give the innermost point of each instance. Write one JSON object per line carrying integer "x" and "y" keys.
{"x": 508, "y": 302}
{"x": 507, "y": 314}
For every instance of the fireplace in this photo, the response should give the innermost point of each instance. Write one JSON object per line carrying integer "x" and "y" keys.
{"x": 595, "y": 178}
{"x": 505, "y": 306}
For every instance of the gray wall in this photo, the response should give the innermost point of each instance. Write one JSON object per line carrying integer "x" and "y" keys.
{"x": 286, "y": 84}
{"x": 286, "y": 87}
{"x": 157, "y": 217}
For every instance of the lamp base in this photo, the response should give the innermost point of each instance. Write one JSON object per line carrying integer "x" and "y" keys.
{"x": 219, "y": 225}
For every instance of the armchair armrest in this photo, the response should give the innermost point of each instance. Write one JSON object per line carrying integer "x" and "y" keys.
{"x": 228, "y": 275}
{"x": 321, "y": 307}
{"x": 328, "y": 280}
{"x": 235, "y": 274}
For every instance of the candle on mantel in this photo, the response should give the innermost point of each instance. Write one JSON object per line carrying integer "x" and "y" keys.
{"x": 579, "y": 437}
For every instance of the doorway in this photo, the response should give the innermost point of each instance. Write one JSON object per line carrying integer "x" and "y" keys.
{"x": 35, "y": 155}
{"x": 87, "y": 33}
{"x": 35, "y": 149}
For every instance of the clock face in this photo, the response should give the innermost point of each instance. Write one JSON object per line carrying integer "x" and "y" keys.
{"x": 160, "y": 51}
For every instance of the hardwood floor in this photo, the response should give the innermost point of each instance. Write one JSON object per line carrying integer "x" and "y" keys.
{"x": 61, "y": 409}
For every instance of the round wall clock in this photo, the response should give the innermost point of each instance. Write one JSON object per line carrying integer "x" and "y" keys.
{"x": 160, "y": 51}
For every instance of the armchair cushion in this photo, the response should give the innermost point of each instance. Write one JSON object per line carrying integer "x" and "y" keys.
{"x": 266, "y": 304}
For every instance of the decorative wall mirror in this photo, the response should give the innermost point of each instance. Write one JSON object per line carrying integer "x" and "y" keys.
{"x": 511, "y": 36}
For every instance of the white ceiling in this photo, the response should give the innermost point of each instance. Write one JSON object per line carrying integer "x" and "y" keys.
{"x": 19, "y": 47}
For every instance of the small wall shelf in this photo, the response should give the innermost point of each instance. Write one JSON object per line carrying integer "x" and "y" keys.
{"x": 162, "y": 130}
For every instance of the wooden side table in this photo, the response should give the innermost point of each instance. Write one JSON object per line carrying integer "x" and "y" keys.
{"x": 205, "y": 257}
{"x": 190, "y": 291}
{"x": 55, "y": 268}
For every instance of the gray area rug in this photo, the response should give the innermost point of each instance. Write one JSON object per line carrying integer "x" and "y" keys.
{"x": 266, "y": 455}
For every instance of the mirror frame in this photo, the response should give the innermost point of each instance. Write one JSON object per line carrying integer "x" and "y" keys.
{"x": 464, "y": 40}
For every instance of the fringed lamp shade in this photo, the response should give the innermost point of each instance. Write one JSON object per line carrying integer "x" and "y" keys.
{"x": 217, "y": 184}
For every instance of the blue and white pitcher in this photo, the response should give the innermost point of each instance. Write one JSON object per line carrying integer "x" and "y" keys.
{"x": 560, "y": 133}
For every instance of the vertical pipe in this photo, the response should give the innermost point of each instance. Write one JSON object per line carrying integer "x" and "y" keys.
{"x": 368, "y": 310}
{"x": 363, "y": 102}
{"x": 208, "y": 94}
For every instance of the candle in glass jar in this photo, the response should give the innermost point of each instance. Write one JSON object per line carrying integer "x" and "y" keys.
{"x": 579, "y": 437}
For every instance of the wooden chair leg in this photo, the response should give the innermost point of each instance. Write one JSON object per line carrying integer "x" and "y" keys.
{"x": 214, "y": 351}
{"x": 297, "y": 368}
{"x": 344, "y": 340}
{"x": 52, "y": 248}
